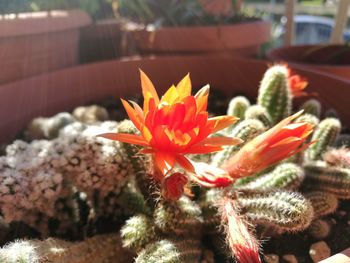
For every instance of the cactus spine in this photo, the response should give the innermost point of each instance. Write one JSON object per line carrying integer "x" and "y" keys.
{"x": 274, "y": 93}
{"x": 260, "y": 113}
{"x": 322, "y": 202}
{"x": 238, "y": 106}
{"x": 99, "y": 249}
{"x": 324, "y": 137}
{"x": 333, "y": 180}
{"x": 285, "y": 176}
{"x": 312, "y": 107}
{"x": 286, "y": 211}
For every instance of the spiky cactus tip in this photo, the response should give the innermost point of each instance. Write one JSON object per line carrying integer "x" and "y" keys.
{"x": 324, "y": 136}
{"x": 237, "y": 106}
{"x": 322, "y": 202}
{"x": 285, "y": 176}
{"x": 319, "y": 229}
{"x": 274, "y": 93}
{"x": 260, "y": 113}
{"x": 312, "y": 107}
{"x": 333, "y": 180}
{"x": 285, "y": 211}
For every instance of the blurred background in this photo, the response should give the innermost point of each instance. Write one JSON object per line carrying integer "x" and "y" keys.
{"x": 85, "y": 31}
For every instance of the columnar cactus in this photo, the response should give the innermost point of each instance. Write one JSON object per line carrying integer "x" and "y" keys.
{"x": 285, "y": 211}
{"x": 312, "y": 107}
{"x": 99, "y": 249}
{"x": 260, "y": 113}
{"x": 285, "y": 176}
{"x": 333, "y": 180}
{"x": 238, "y": 106}
{"x": 324, "y": 136}
{"x": 323, "y": 203}
{"x": 275, "y": 94}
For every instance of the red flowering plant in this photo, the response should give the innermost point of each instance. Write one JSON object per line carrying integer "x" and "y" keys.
{"x": 178, "y": 124}
{"x": 173, "y": 126}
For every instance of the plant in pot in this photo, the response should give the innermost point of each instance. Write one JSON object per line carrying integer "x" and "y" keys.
{"x": 194, "y": 26}
{"x": 332, "y": 59}
{"x": 157, "y": 176}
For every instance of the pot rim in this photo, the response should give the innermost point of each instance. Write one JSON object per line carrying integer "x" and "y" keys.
{"x": 24, "y": 24}
{"x": 259, "y": 22}
{"x": 273, "y": 55}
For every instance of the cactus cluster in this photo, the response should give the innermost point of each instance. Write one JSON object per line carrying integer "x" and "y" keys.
{"x": 65, "y": 179}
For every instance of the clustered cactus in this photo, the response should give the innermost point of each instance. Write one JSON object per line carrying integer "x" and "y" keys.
{"x": 67, "y": 181}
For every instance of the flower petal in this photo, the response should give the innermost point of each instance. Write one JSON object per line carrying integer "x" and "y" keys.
{"x": 148, "y": 87}
{"x": 202, "y": 98}
{"x": 124, "y": 137}
{"x": 221, "y": 141}
{"x": 171, "y": 96}
{"x": 184, "y": 87}
{"x": 210, "y": 176}
{"x": 202, "y": 149}
{"x": 185, "y": 163}
{"x": 164, "y": 161}
{"x": 133, "y": 115}
{"x": 221, "y": 122}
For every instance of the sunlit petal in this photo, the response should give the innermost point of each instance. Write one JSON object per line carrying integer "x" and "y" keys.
{"x": 124, "y": 137}
{"x": 221, "y": 141}
{"x": 133, "y": 115}
{"x": 185, "y": 163}
{"x": 170, "y": 96}
{"x": 221, "y": 122}
{"x": 164, "y": 161}
{"x": 148, "y": 87}
{"x": 202, "y": 98}
{"x": 185, "y": 87}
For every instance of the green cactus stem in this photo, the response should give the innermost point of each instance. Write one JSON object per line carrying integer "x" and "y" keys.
{"x": 163, "y": 251}
{"x": 237, "y": 106}
{"x": 274, "y": 93}
{"x": 309, "y": 118}
{"x": 182, "y": 217}
{"x": 99, "y": 249}
{"x": 324, "y": 136}
{"x": 322, "y": 202}
{"x": 313, "y": 107}
{"x": 258, "y": 112}
{"x": 286, "y": 211}
{"x": 285, "y": 176}
{"x": 333, "y": 180}
{"x": 137, "y": 232}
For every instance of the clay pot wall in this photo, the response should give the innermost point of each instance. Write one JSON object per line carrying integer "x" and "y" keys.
{"x": 295, "y": 54}
{"x": 36, "y": 43}
{"x": 62, "y": 90}
{"x": 243, "y": 39}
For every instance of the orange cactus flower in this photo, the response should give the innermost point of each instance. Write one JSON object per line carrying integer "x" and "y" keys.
{"x": 175, "y": 125}
{"x": 296, "y": 83}
{"x": 276, "y": 144}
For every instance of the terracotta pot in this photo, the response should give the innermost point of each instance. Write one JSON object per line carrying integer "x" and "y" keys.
{"x": 62, "y": 90}
{"x": 35, "y": 43}
{"x": 100, "y": 41}
{"x": 243, "y": 39}
{"x": 316, "y": 57}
